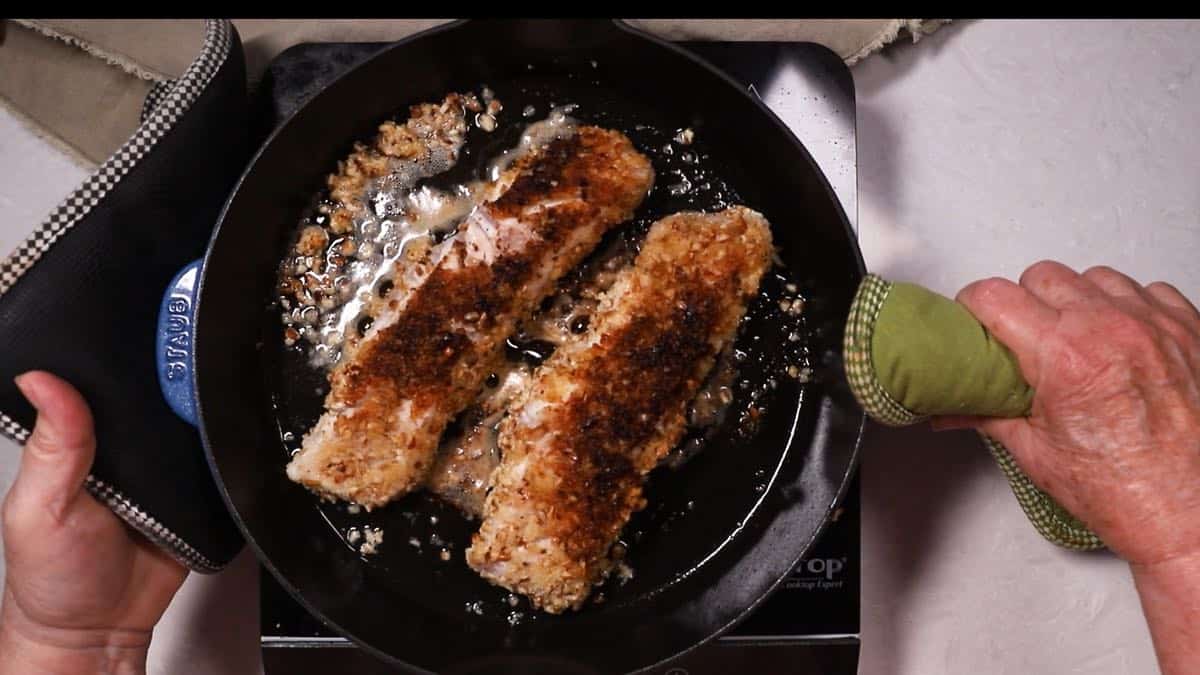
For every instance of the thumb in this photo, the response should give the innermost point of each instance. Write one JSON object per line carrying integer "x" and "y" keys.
{"x": 59, "y": 453}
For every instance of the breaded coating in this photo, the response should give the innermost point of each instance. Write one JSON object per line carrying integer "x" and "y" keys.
{"x": 602, "y": 412}
{"x": 434, "y": 342}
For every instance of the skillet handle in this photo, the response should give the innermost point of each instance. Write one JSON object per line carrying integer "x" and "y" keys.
{"x": 174, "y": 339}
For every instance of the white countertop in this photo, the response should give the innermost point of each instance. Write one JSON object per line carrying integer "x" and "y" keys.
{"x": 984, "y": 148}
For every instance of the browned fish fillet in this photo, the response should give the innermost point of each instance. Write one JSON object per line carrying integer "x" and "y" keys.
{"x": 433, "y": 343}
{"x": 462, "y": 471}
{"x": 600, "y": 413}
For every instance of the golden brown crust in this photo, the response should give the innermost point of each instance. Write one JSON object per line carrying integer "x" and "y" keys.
{"x": 601, "y": 414}
{"x": 417, "y": 368}
{"x": 416, "y": 357}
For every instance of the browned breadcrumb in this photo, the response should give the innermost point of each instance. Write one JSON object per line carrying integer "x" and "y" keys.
{"x": 365, "y": 165}
{"x": 423, "y": 361}
{"x": 429, "y": 124}
{"x": 341, "y": 222}
{"x": 602, "y": 412}
{"x": 398, "y": 141}
{"x": 313, "y": 240}
{"x": 308, "y": 276}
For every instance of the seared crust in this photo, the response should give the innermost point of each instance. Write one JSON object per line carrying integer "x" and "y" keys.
{"x": 602, "y": 412}
{"x": 432, "y": 345}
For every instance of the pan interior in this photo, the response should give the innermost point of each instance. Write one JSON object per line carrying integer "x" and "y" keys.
{"x": 692, "y": 509}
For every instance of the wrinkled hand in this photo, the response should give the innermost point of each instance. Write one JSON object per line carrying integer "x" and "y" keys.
{"x": 1114, "y": 433}
{"x": 82, "y": 591}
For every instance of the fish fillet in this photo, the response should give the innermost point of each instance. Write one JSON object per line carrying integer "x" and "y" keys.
{"x": 602, "y": 412}
{"x": 465, "y": 462}
{"x": 435, "y": 340}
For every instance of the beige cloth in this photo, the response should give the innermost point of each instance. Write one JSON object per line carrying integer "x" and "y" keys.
{"x": 80, "y": 103}
{"x": 81, "y": 83}
{"x": 852, "y": 39}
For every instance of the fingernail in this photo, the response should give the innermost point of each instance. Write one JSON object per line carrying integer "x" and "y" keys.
{"x": 29, "y": 390}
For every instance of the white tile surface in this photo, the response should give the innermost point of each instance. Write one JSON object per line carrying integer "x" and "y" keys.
{"x": 986, "y": 147}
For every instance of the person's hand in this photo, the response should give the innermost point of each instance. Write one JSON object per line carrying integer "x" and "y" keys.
{"x": 1114, "y": 433}
{"x": 82, "y": 591}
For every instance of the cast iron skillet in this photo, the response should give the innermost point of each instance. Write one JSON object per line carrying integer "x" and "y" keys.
{"x": 758, "y": 504}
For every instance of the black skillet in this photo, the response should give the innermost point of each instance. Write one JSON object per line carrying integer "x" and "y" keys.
{"x": 720, "y": 532}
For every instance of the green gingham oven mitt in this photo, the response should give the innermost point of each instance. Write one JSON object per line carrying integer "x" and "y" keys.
{"x": 911, "y": 354}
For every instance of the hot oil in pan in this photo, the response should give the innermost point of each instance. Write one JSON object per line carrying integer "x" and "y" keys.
{"x": 760, "y": 376}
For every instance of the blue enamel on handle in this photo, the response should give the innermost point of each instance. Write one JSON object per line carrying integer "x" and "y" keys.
{"x": 174, "y": 340}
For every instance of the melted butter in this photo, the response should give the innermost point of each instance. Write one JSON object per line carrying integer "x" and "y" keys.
{"x": 713, "y": 399}
{"x": 401, "y": 230}
{"x": 405, "y": 255}
{"x": 558, "y": 124}
{"x": 466, "y": 460}
{"x": 465, "y": 467}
